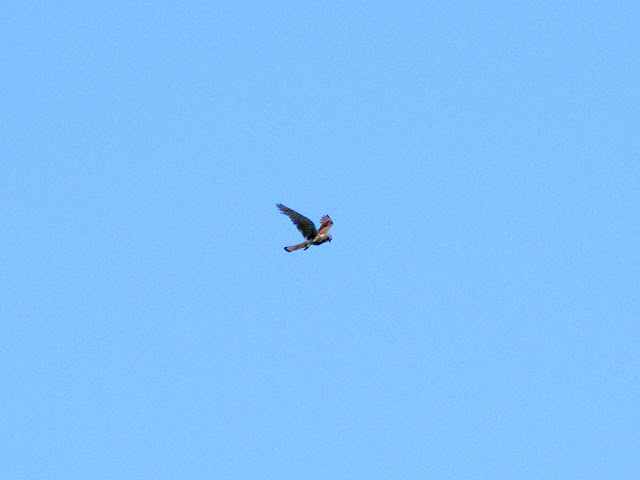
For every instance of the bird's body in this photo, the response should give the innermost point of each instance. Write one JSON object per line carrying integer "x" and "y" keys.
{"x": 312, "y": 235}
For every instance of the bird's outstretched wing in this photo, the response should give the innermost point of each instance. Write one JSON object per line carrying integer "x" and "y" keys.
{"x": 325, "y": 224}
{"x": 306, "y": 226}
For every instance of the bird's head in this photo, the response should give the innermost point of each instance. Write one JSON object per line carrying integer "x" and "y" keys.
{"x": 328, "y": 238}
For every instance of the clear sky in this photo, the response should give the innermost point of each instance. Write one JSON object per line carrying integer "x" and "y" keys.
{"x": 476, "y": 315}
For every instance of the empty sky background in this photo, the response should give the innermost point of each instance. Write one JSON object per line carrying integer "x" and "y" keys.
{"x": 476, "y": 315}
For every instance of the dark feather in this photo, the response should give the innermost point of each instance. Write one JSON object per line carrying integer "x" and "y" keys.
{"x": 306, "y": 226}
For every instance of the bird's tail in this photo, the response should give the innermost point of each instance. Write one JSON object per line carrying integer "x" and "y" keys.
{"x": 297, "y": 247}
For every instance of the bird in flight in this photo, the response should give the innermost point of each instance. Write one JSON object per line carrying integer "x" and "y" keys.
{"x": 307, "y": 228}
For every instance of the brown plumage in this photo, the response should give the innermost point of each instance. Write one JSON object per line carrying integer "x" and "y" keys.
{"x": 312, "y": 235}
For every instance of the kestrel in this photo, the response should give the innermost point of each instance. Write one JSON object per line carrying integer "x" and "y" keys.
{"x": 307, "y": 229}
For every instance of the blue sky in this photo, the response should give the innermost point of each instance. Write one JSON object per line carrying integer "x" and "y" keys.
{"x": 476, "y": 315}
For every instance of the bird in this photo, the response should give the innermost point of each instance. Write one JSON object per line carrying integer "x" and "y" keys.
{"x": 308, "y": 230}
